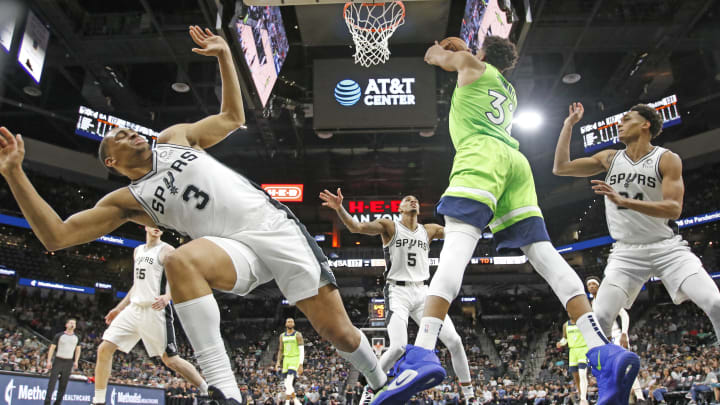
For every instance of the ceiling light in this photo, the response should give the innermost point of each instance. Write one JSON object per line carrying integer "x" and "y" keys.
{"x": 180, "y": 87}
{"x": 32, "y": 91}
{"x": 324, "y": 135}
{"x": 571, "y": 78}
{"x": 427, "y": 134}
{"x": 528, "y": 120}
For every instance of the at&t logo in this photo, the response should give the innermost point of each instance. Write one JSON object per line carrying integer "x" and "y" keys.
{"x": 347, "y": 92}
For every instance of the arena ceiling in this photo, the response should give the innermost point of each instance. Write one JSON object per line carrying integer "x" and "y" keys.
{"x": 122, "y": 56}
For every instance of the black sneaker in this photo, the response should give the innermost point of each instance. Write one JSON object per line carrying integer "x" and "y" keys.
{"x": 216, "y": 397}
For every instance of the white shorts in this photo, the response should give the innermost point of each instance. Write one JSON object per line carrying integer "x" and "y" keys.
{"x": 283, "y": 252}
{"x": 630, "y": 266}
{"x": 137, "y": 322}
{"x": 405, "y": 301}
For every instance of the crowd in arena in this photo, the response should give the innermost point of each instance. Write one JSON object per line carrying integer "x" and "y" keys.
{"x": 674, "y": 342}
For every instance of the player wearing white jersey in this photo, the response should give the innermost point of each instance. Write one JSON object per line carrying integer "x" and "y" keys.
{"x": 643, "y": 193}
{"x": 144, "y": 313}
{"x": 619, "y": 330}
{"x": 406, "y": 244}
{"x": 243, "y": 236}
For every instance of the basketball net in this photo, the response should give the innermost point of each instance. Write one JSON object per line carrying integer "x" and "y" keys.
{"x": 371, "y": 25}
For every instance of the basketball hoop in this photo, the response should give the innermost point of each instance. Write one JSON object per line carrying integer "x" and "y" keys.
{"x": 371, "y": 25}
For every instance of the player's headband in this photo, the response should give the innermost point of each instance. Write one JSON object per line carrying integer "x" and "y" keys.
{"x": 592, "y": 280}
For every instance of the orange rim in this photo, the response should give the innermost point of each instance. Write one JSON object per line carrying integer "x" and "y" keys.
{"x": 395, "y": 25}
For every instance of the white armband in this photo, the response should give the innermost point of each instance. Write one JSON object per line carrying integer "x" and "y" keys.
{"x": 563, "y": 342}
{"x": 301, "y": 348}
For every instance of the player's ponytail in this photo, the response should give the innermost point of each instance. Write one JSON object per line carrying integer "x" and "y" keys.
{"x": 500, "y": 52}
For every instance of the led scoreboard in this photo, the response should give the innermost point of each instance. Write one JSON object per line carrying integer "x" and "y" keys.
{"x": 604, "y": 133}
{"x": 370, "y": 210}
{"x": 94, "y": 125}
{"x": 376, "y": 310}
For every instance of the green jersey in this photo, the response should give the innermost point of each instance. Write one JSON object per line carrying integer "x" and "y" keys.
{"x": 290, "y": 345}
{"x": 482, "y": 108}
{"x": 574, "y": 337}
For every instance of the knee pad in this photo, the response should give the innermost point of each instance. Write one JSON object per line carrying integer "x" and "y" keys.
{"x": 563, "y": 280}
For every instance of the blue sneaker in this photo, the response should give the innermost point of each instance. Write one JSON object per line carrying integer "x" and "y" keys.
{"x": 417, "y": 370}
{"x": 615, "y": 369}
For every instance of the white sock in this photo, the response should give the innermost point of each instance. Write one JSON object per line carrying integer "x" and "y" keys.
{"x": 99, "y": 396}
{"x": 203, "y": 388}
{"x": 583, "y": 384}
{"x": 296, "y": 401}
{"x": 590, "y": 330}
{"x": 468, "y": 391}
{"x": 366, "y": 362}
{"x": 428, "y": 332}
{"x": 638, "y": 391}
{"x": 200, "y": 317}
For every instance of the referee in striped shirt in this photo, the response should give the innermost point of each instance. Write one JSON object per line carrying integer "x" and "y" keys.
{"x": 66, "y": 358}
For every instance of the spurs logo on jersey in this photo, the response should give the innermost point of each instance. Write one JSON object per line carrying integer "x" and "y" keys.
{"x": 189, "y": 191}
{"x": 148, "y": 274}
{"x": 406, "y": 255}
{"x": 639, "y": 180}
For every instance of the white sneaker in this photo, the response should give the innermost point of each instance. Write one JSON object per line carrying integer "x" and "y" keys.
{"x": 367, "y": 395}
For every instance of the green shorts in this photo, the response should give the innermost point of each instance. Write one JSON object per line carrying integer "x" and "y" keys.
{"x": 578, "y": 356}
{"x": 492, "y": 185}
{"x": 290, "y": 363}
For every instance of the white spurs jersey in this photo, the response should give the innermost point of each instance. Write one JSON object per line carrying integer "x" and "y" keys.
{"x": 640, "y": 180}
{"x": 148, "y": 274}
{"x": 189, "y": 191}
{"x": 406, "y": 255}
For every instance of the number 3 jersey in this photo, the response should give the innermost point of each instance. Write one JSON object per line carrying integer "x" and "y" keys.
{"x": 639, "y": 180}
{"x": 148, "y": 274}
{"x": 189, "y": 191}
{"x": 406, "y": 255}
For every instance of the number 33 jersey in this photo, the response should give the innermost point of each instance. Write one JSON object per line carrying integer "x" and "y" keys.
{"x": 639, "y": 180}
{"x": 190, "y": 192}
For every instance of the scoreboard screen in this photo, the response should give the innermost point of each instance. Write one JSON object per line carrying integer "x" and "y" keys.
{"x": 33, "y": 47}
{"x": 376, "y": 309}
{"x": 94, "y": 125}
{"x": 604, "y": 133}
{"x": 483, "y": 18}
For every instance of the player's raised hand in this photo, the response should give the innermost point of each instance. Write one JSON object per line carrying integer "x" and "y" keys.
{"x": 331, "y": 200}
{"x": 12, "y": 151}
{"x": 575, "y": 114}
{"x": 209, "y": 43}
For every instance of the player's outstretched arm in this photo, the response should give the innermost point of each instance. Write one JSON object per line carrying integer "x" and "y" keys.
{"x": 213, "y": 129}
{"x": 435, "y": 231}
{"x": 54, "y": 233}
{"x": 583, "y": 167}
{"x": 453, "y": 61}
{"x": 383, "y": 227}
{"x": 669, "y": 207}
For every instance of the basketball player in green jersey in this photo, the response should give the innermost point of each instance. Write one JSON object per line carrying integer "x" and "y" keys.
{"x": 577, "y": 357}
{"x": 291, "y": 351}
{"x": 491, "y": 184}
